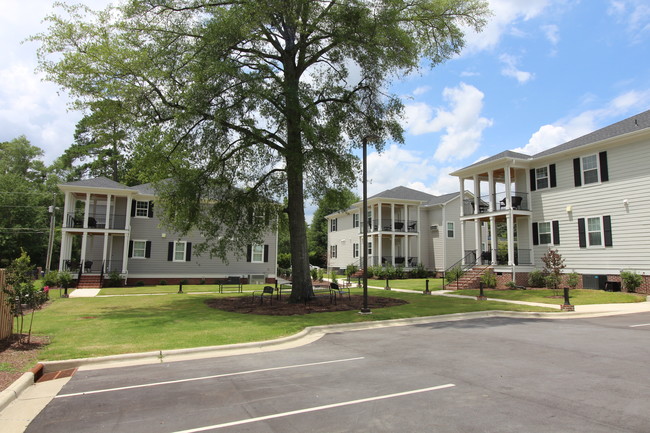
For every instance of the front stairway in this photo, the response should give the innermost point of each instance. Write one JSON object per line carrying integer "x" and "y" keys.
{"x": 90, "y": 281}
{"x": 469, "y": 280}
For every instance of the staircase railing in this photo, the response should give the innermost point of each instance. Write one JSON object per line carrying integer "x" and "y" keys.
{"x": 101, "y": 275}
{"x": 466, "y": 263}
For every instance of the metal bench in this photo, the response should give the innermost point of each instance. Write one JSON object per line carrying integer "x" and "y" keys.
{"x": 335, "y": 289}
{"x": 231, "y": 283}
{"x": 267, "y": 290}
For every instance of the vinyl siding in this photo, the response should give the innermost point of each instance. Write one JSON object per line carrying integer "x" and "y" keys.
{"x": 343, "y": 238}
{"x": 628, "y": 179}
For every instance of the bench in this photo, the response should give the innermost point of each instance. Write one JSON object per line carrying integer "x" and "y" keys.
{"x": 231, "y": 283}
{"x": 335, "y": 289}
{"x": 267, "y": 290}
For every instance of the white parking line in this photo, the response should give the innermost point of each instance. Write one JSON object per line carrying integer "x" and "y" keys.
{"x": 314, "y": 409}
{"x": 643, "y": 324}
{"x": 146, "y": 385}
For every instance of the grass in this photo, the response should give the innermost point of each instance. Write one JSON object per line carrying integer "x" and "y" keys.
{"x": 172, "y": 288}
{"x": 577, "y": 296}
{"x": 86, "y": 327}
{"x": 409, "y": 284}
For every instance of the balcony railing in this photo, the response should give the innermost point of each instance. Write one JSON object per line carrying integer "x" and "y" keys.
{"x": 400, "y": 226}
{"x": 522, "y": 257}
{"x": 519, "y": 201}
{"x": 407, "y": 262}
{"x": 96, "y": 221}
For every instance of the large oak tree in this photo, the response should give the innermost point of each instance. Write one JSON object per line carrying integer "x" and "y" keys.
{"x": 244, "y": 103}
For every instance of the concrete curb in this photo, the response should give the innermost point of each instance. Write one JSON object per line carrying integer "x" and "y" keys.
{"x": 303, "y": 337}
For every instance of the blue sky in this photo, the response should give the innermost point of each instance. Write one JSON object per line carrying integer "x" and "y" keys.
{"x": 541, "y": 73}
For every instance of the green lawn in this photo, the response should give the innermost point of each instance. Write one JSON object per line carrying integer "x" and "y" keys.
{"x": 172, "y": 288}
{"x": 410, "y": 284}
{"x": 577, "y": 297}
{"x": 86, "y": 327}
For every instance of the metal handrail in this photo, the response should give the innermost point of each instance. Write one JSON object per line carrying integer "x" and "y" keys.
{"x": 471, "y": 255}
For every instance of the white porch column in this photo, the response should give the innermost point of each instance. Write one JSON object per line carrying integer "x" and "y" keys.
{"x": 127, "y": 218}
{"x": 67, "y": 204}
{"x": 462, "y": 239}
{"x": 108, "y": 211}
{"x": 84, "y": 243}
{"x": 493, "y": 240}
{"x": 380, "y": 251}
{"x": 508, "y": 188}
{"x": 492, "y": 205}
{"x": 86, "y": 215}
{"x": 462, "y": 196}
{"x": 125, "y": 253}
{"x": 392, "y": 251}
{"x": 511, "y": 241}
{"x": 477, "y": 239}
{"x": 530, "y": 239}
{"x": 477, "y": 195}
{"x": 392, "y": 217}
{"x": 105, "y": 251}
{"x": 407, "y": 251}
{"x": 380, "y": 223}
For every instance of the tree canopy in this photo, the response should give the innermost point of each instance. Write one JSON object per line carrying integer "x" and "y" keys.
{"x": 244, "y": 103}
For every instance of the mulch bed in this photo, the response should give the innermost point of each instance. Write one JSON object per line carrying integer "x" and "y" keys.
{"x": 17, "y": 357}
{"x": 245, "y": 304}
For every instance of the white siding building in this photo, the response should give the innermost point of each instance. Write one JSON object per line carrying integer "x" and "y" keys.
{"x": 587, "y": 198}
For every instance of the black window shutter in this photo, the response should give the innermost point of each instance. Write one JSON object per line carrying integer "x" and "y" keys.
{"x": 188, "y": 251}
{"x": 147, "y": 251}
{"x": 556, "y": 232}
{"x": 170, "y": 252}
{"x": 607, "y": 226}
{"x": 604, "y": 174}
{"x": 582, "y": 237}
{"x": 130, "y": 248}
{"x": 551, "y": 169}
{"x": 132, "y": 208}
{"x": 150, "y": 209}
{"x": 533, "y": 180}
{"x": 249, "y": 253}
{"x": 250, "y": 216}
{"x": 577, "y": 174}
{"x": 535, "y": 234}
{"x": 266, "y": 253}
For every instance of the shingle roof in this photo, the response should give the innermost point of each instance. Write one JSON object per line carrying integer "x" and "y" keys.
{"x": 504, "y": 154}
{"x": 441, "y": 199}
{"x": 97, "y": 182}
{"x": 145, "y": 188}
{"x": 404, "y": 193}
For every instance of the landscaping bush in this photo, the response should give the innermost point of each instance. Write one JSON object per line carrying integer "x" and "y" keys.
{"x": 399, "y": 272}
{"x": 64, "y": 280}
{"x": 114, "y": 279}
{"x": 140, "y": 283}
{"x": 489, "y": 279}
{"x": 333, "y": 277}
{"x": 350, "y": 269}
{"x": 572, "y": 280}
{"x": 314, "y": 274}
{"x": 183, "y": 282}
{"x": 320, "y": 274}
{"x": 284, "y": 260}
{"x": 511, "y": 285}
{"x": 552, "y": 282}
{"x": 537, "y": 279}
{"x": 631, "y": 280}
{"x": 419, "y": 272}
{"x": 162, "y": 283}
{"x": 51, "y": 279}
{"x": 453, "y": 274}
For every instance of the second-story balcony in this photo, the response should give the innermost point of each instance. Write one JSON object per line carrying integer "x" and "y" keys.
{"x": 389, "y": 225}
{"x": 96, "y": 221}
{"x": 519, "y": 201}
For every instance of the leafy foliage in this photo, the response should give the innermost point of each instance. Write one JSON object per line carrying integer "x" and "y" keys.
{"x": 631, "y": 280}
{"x": 453, "y": 274}
{"x": 244, "y": 103}
{"x": 572, "y": 280}
{"x": 489, "y": 279}
{"x": 537, "y": 278}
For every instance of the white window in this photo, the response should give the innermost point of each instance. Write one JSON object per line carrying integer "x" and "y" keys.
{"x": 355, "y": 250}
{"x": 590, "y": 169}
{"x": 142, "y": 209}
{"x": 545, "y": 234}
{"x": 179, "y": 251}
{"x": 257, "y": 254}
{"x": 139, "y": 249}
{"x": 541, "y": 176}
{"x": 355, "y": 220}
{"x": 333, "y": 251}
{"x": 594, "y": 231}
{"x": 450, "y": 229}
{"x": 369, "y": 248}
{"x": 333, "y": 224}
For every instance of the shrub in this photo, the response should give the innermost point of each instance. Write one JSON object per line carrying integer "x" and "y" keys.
{"x": 370, "y": 271}
{"x": 572, "y": 280}
{"x": 351, "y": 269}
{"x": 399, "y": 272}
{"x": 631, "y": 280}
{"x": 114, "y": 279}
{"x": 553, "y": 263}
{"x": 183, "y": 282}
{"x": 140, "y": 283}
{"x": 320, "y": 274}
{"x": 453, "y": 274}
{"x": 162, "y": 283}
{"x": 511, "y": 285}
{"x": 51, "y": 279}
{"x": 64, "y": 280}
{"x": 202, "y": 281}
{"x": 314, "y": 274}
{"x": 552, "y": 282}
{"x": 536, "y": 279}
{"x": 419, "y": 272}
{"x": 284, "y": 260}
{"x": 333, "y": 278}
{"x": 489, "y": 279}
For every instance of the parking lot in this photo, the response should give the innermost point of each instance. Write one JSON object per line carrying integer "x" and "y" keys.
{"x": 480, "y": 375}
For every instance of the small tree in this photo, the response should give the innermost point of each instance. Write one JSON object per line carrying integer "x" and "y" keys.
{"x": 51, "y": 279}
{"x": 453, "y": 274}
{"x": 572, "y": 280}
{"x": 536, "y": 278}
{"x": 65, "y": 281}
{"x": 553, "y": 265}
{"x": 489, "y": 279}
{"x": 631, "y": 280}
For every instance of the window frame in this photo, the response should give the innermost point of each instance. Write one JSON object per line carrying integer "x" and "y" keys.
{"x": 254, "y": 252}
{"x": 333, "y": 251}
{"x": 137, "y": 209}
{"x": 549, "y": 233}
{"x": 356, "y": 217}
{"x": 134, "y": 249}
{"x": 596, "y": 168}
{"x": 334, "y": 225}
{"x": 547, "y": 177}
{"x": 355, "y": 250}
{"x": 600, "y": 231}
{"x": 176, "y": 243}
{"x": 453, "y": 230}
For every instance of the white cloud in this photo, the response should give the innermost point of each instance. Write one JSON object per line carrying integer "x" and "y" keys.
{"x": 510, "y": 69}
{"x": 567, "y": 129}
{"x": 462, "y": 122}
{"x": 506, "y": 14}
{"x": 634, "y": 14}
{"x": 421, "y": 90}
{"x": 552, "y": 33}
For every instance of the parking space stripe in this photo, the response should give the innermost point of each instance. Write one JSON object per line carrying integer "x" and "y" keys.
{"x": 314, "y": 409}
{"x": 643, "y": 324}
{"x": 215, "y": 376}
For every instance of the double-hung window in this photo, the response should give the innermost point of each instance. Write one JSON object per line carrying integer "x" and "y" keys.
{"x": 139, "y": 249}
{"x": 333, "y": 224}
{"x": 594, "y": 232}
{"x": 355, "y": 250}
{"x": 541, "y": 177}
{"x": 450, "y": 229}
{"x": 355, "y": 220}
{"x": 142, "y": 209}
{"x": 257, "y": 254}
{"x": 545, "y": 234}
{"x": 333, "y": 251}
{"x": 590, "y": 169}
{"x": 179, "y": 251}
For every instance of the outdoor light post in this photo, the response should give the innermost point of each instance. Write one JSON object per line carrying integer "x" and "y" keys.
{"x": 365, "y": 309}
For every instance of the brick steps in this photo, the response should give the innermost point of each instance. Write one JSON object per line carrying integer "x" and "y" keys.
{"x": 470, "y": 279}
{"x": 90, "y": 282}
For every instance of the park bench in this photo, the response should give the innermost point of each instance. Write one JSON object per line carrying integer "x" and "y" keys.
{"x": 267, "y": 290}
{"x": 335, "y": 290}
{"x": 231, "y": 283}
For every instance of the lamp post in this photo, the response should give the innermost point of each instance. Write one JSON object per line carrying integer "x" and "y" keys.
{"x": 365, "y": 139}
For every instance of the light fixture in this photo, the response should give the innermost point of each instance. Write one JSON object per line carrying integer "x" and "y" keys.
{"x": 569, "y": 209}
{"x": 164, "y": 235}
{"x": 625, "y": 202}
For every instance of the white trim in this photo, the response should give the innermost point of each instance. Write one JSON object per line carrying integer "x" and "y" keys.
{"x": 601, "y": 231}
{"x": 547, "y": 177}
{"x": 582, "y": 169}
{"x": 453, "y": 230}
{"x": 144, "y": 251}
{"x": 253, "y": 253}
{"x": 174, "y": 259}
